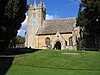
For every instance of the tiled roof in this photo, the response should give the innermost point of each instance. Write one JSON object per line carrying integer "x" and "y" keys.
{"x": 59, "y": 25}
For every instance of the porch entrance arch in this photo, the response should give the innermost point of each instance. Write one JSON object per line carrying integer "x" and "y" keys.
{"x": 57, "y": 45}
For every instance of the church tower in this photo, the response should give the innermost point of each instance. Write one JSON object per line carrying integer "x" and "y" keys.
{"x": 36, "y": 16}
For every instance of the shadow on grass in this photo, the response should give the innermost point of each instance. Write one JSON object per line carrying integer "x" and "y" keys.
{"x": 17, "y": 51}
{"x": 5, "y": 64}
{"x": 90, "y": 49}
{"x": 7, "y": 56}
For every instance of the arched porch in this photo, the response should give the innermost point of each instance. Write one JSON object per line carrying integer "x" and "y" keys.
{"x": 57, "y": 45}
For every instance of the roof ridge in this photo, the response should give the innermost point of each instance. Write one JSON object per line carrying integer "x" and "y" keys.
{"x": 61, "y": 19}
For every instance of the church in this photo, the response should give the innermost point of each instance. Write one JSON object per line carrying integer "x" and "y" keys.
{"x": 50, "y": 34}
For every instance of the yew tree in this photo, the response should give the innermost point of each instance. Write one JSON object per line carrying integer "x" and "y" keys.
{"x": 12, "y": 14}
{"x": 89, "y": 22}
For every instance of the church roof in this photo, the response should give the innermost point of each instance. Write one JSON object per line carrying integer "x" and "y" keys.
{"x": 65, "y": 25}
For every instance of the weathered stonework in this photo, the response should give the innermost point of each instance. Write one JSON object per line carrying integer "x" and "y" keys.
{"x": 62, "y": 33}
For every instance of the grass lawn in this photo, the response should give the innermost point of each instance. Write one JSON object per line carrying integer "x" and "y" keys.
{"x": 56, "y": 62}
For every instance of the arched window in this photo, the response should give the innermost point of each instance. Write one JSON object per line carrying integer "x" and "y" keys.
{"x": 70, "y": 41}
{"x": 47, "y": 41}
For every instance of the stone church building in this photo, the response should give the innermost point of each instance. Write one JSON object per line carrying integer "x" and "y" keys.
{"x": 49, "y": 34}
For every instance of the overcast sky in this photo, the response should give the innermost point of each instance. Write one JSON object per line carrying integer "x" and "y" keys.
{"x": 55, "y": 9}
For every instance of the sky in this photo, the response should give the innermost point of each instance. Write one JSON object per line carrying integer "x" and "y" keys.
{"x": 55, "y": 9}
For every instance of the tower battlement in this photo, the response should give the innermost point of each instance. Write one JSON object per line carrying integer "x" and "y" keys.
{"x": 39, "y": 5}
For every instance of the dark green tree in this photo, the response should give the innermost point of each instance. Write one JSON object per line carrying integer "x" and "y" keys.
{"x": 89, "y": 22}
{"x": 12, "y": 14}
{"x": 13, "y": 42}
{"x": 20, "y": 40}
{"x": 17, "y": 41}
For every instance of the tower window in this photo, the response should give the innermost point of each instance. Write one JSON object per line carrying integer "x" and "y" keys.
{"x": 34, "y": 9}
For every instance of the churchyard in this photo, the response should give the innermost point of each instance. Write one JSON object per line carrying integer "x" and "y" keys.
{"x": 54, "y": 62}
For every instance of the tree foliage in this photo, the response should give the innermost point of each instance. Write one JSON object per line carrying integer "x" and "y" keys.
{"x": 89, "y": 22}
{"x": 20, "y": 40}
{"x": 12, "y": 14}
{"x": 17, "y": 41}
{"x": 13, "y": 42}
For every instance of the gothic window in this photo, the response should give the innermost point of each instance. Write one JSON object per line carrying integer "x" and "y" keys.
{"x": 47, "y": 41}
{"x": 70, "y": 41}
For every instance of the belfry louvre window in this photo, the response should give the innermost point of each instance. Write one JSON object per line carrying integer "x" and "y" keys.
{"x": 47, "y": 41}
{"x": 70, "y": 41}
